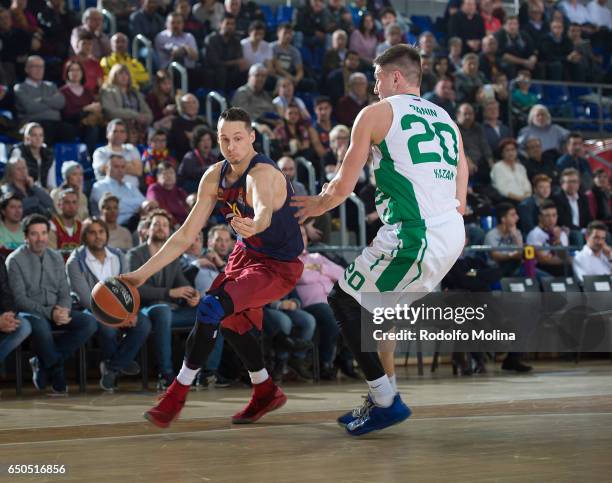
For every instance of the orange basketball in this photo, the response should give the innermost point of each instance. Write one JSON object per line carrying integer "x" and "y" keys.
{"x": 114, "y": 301}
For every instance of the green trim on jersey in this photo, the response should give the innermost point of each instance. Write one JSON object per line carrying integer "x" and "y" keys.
{"x": 402, "y": 208}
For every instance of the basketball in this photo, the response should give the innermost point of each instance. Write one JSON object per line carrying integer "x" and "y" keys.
{"x": 114, "y": 301}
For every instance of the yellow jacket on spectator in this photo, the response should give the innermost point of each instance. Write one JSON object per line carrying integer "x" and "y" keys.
{"x": 138, "y": 73}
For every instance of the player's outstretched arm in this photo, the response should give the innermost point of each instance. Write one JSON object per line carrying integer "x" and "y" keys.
{"x": 178, "y": 243}
{"x": 462, "y": 178}
{"x": 267, "y": 185}
{"x": 371, "y": 125}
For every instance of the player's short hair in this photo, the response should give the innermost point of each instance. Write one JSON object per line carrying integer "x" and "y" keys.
{"x": 403, "y": 58}
{"x": 596, "y": 225}
{"x": 236, "y": 114}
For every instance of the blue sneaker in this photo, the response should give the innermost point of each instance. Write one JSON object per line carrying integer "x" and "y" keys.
{"x": 39, "y": 374}
{"x": 377, "y": 418}
{"x": 356, "y": 413}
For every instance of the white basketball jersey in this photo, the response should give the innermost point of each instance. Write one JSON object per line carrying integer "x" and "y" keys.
{"x": 416, "y": 164}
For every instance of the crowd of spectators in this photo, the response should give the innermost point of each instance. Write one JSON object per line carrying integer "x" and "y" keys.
{"x": 303, "y": 82}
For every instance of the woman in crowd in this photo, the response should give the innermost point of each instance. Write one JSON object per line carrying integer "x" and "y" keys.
{"x": 509, "y": 176}
{"x": 363, "y": 40}
{"x": 198, "y": 160}
{"x": 36, "y": 154}
{"x": 17, "y": 180}
{"x": 539, "y": 125}
{"x": 160, "y": 100}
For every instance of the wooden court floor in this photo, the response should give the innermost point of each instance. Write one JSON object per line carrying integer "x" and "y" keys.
{"x": 554, "y": 425}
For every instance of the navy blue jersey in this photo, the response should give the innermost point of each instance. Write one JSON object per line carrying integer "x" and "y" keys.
{"x": 282, "y": 240}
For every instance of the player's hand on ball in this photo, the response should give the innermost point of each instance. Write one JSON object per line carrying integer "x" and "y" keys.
{"x": 245, "y": 227}
{"x": 308, "y": 206}
{"x": 133, "y": 277}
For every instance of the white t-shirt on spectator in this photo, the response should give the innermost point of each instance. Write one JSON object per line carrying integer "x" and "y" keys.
{"x": 575, "y": 13}
{"x": 587, "y": 263}
{"x": 102, "y": 271}
{"x": 261, "y": 56}
{"x": 599, "y": 15}
{"x": 539, "y": 238}
{"x": 102, "y": 155}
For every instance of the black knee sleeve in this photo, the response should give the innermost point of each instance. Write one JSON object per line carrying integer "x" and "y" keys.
{"x": 247, "y": 347}
{"x": 199, "y": 344}
{"x": 348, "y": 314}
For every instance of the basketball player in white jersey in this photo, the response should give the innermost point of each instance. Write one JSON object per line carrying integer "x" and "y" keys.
{"x": 421, "y": 185}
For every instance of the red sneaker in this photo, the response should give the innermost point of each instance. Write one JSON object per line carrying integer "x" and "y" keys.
{"x": 168, "y": 406}
{"x": 266, "y": 397}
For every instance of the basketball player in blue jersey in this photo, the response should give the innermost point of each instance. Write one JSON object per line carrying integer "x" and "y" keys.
{"x": 421, "y": 185}
{"x": 254, "y": 196}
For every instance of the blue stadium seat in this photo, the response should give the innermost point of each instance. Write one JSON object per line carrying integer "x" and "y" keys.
{"x": 269, "y": 16}
{"x": 554, "y": 95}
{"x": 422, "y": 22}
{"x": 284, "y": 14}
{"x": 586, "y": 116}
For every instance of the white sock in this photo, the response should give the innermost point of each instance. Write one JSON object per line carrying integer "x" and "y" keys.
{"x": 187, "y": 375}
{"x": 393, "y": 382}
{"x": 259, "y": 376}
{"x": 382, "y": 391}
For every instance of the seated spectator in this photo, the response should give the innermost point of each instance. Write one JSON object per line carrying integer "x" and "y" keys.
{"x": 198, "y": 160}
{"x": 155, "y": 154}
{"x": 36, "y": 154}
{"x": 244, "y": 14}
{"x": 209, "y": 12}
{"x": 389, "y": 16}
{"x": 494, "y": 129}
{"x": 168, "y": 195}
{"x": 313, "y": 287}
{"x": 354, "y": 101}
{"x": 489, "y": 61}
{"x": 574, "y": 158}
{"x": 167, "y": 300}
{"x": 522, "y": 98}
{"x": 16, "y": 45}
{"x": 14, "y": 329}
{"x": 536, "y": 164}
{"x": 314, "y": 22}
{"x": 190, "y": 24}
{"x": 599, "y": 14}
{"x": 17, "y": 180}
{"x": 40, "y": 101}
{"x": 475, "y": 144}
{"x": 334, "y": 57}
{"x": 363, "y": 39}
{"x": 120, "y": 55}
{"x": 94, "y": 75}
{"x": 572, "y": 206}
{"x": 516, "y": 48}
{"x": 427, "y": 45}
{"x": 428, "y": 77}
{"x": 121, "y": 9}
{"x": 120, "y": 100}
{"x": 146, "y": 20}
{"x": 323, "y": 123}
{"x": 65, "y": 227}
{"x": 287, "y": 166}
{"x": 255, "y": 49}
{"x": 337, "y": 81}
{"x": 509, "y": 176}
{"x": 287, "y": 61}
{"x": 118, "y": 236}
{"x": 224, "y": 58}
{"x": 72, "y": 176}
{"x": 81, "y": 109}
{"x": 160, "y": 99}
{"x": 469, "y": 80}
{"x": 393, "y": 36}
{"x": 491, "y": 23}
{"x": 556, "y": 51}
{"x": 443, "y": 95}
{"x": 295, "y": 135}
{"x": 455, "y": 56}
{"x": 575, "y": 11}
{"x": 540, "y": 126}
{"x": 529, "y": 208}
{"x": 175, "y": 45}
{"x": 583, "y": 65}
{"x": 600, "y": 197}
{"x": 93, "y": 23}
{"x": 285, "y": 91}
{"x": 441, "y": 68}
{"x": 183, "y": 125}
{"x": 535, "y": 25}
{"x": 293, "y": 329}
{"x": 116, "y": 134}
{"x": 11, "y": 212}
{"x": 468, "y": 25}
{"x": 595, "y": 258}
{"x": 252, "y": 97}
{"x": 340, "y": 15}
{"x": 56, "y": 22}
{"x": 91, "y": 262}
{"x": 339, "y": 138}
{"x": 114, "y": 182}
{"x": 548, "y": 233}
{"x": 40, "y": 288}
{"x": 506, "y": 234}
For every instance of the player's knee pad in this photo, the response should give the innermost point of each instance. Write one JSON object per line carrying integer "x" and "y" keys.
{"x": 213, "y": 308}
